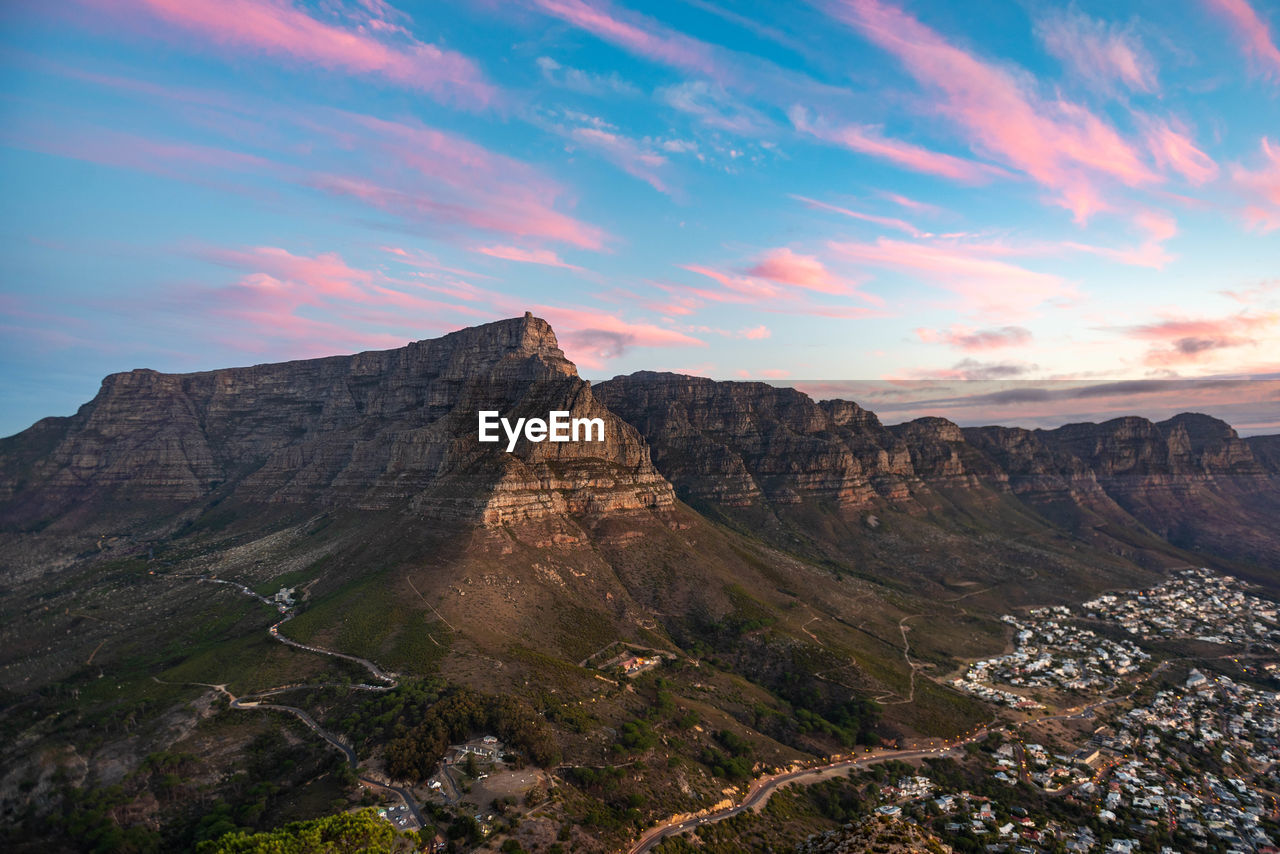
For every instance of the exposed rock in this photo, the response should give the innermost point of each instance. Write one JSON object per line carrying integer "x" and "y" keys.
{"x": 1189, "y": 480}
{"x": 368, "y": 431}
{"x": 739, "y": 444}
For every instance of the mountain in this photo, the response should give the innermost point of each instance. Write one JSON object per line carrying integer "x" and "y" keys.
{"x": 367, "y": 431}
{"x": 772, "y": 550}
{"x": 1147, "y": 491}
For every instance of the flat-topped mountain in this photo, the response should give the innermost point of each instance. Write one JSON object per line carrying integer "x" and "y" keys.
{"x": 771, "y": 550}
{"x": 371, "y": 430}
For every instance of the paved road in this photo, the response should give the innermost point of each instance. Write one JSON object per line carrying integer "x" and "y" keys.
{"x": 763, "y": 789}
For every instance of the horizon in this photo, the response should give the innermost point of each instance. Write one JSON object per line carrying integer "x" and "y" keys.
{"x": 1067, "y": 196}
{"x": 1007, "y": 403}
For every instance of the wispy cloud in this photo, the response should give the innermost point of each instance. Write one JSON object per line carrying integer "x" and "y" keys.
{"x": 1254, "y": 33}
{"x": 869, "y": 140}
{"x": 585, "y": 82}
{"x": 968, "y": 338}
{"x": 1157, "y": 227}
{"x": 1062, "y": 145}
{"x": 372, "y": 44}
{"x": 990, "y": 287}
{"x": 785, "y": 267}
{"x": 1261, "y": 187}
{"x": 1181, "y": 340}
{"x": 545, "y": 257}
{"x": 1101, "y": 53}
{"x": 886, "y": 221}
{"x": 631, "y": 156}
{"x": 636, "y": 33}
{"x": 1173, "y": 149}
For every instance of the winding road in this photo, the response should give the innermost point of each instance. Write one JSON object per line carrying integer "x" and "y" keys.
{"x": 763, "y": 788}
{"x": 253, "y": 702}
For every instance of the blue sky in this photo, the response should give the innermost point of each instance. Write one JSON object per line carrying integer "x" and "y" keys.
{"x": 909, "y": 193}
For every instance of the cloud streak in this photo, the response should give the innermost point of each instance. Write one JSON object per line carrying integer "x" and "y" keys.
{"x": 869, "y": 140}
{"x": 1102, "y": 54}
{"x": 967, "y": 338}
{"x": 1062, "y": 145}
{"x": 375, "y": 47}
{"x": 1253, "y": 33}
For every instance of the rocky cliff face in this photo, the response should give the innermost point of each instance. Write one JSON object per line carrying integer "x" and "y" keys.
{"x": 1266, "y": 451}
{"x": 397, "y": 429}
{"x": 1190, "y": 480}
{"x": 368, "y": 431}
{"x": 738, "y": 444}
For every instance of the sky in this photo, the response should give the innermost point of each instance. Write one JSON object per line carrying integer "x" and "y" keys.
{"x": 1016, "y": 211}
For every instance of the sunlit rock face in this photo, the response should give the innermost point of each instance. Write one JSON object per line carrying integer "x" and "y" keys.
{"x": 368, "y": 431}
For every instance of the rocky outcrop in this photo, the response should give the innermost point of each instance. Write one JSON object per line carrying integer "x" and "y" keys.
{"x": 1190, "y": 480}
{"x": 738, "y": 444}
{"x": 1266, "y": 452}
{"x": 369, "y": 431}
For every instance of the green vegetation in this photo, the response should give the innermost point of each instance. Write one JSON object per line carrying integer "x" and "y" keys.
{"x": 425, "y": 728}
{"x": 374, "y": 622}
{"x": 362, "y": 832}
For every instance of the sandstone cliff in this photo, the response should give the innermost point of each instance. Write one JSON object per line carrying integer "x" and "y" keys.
{"x": 739, "y": 444}
{"x": 1189, "y": 481}
{"x": 368, "y": 431}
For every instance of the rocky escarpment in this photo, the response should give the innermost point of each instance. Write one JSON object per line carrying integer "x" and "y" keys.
{"x": 1266, "y": 451}
{"x": 370, "y": 431}
{"x": 1189, "y": 480}
{"x": 738, "y": 444}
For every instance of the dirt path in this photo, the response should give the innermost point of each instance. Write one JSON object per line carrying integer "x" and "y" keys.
{"x": 253, "y": 702}
{"x": 912, "y": 667}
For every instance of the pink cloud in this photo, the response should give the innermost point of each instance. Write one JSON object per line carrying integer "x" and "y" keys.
{"x": 746, "y": 289}
{"x": 967, "y": 338}
{"x": 402, "y": 167}
{"x": 326, "y": 274}
{"x": 278, "y": 28}
{"x": 1180, "y": 341}
{"x": 544, "y": 257}
{"x": 628, "y": 155}
{"x": 297, "y": 305}
{"x": 758, "y": 293}
{"x": 1250, "y": 296}
{"x": 1254, "y": 33}
{"x": 286, "y": 298}
{"x": 888, "y": 222}
{"x": 426, "y": 261}
{"x": 591, "y": 338}
{"x": 803, "y": 271}
{"x": 1158, "y": 228}
{"x": 1102, "y": 53}
{"x": 1173, "y": 149}
{"x": 485, "y": 189}
{"x": 909, "y": 203}
{"x": 756, "y": 333}
{"x": 1262, "y": 187}
{"x": 866, "y": 139}
{"x": 990, "y": 287}
{"x": 167, "y": 158}
{"x": 522, "y": 217}
{"x": 1062, "y": 145}
{"x": 635, "y": 33}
